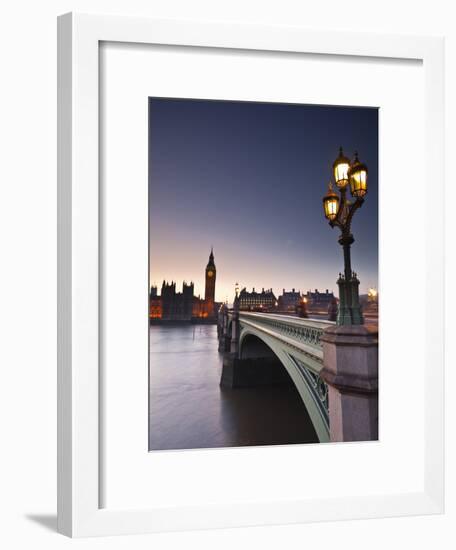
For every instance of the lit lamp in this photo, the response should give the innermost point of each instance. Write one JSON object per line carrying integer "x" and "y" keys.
{"x": 331, "y": 203}
{"x": 339, "y": 210}
{"x": 358, "y": 178}
{"x": 302, "y": 308}
{"x": 340, "y": 169}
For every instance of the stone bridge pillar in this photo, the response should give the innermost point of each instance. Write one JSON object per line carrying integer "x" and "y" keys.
{"x": 224, "y": 337}
{"x": 231, "y": 362}
{"x": 235, "y": 328}
{"x": 350, "y": 368}
{"x": 221, "y": 321}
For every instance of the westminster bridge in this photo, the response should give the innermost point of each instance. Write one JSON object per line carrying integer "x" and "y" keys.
{"x": 334, "y": 368}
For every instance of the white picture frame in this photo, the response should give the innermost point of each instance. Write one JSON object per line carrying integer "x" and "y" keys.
{"x": 80, "y": 511}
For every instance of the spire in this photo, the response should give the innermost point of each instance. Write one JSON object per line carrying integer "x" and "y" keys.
{"x": 211, "y": 259}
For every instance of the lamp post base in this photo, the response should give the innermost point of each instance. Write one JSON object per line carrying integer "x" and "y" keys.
{"x": 349, "y": 311}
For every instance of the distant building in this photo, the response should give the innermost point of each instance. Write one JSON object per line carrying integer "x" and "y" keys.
{"x": 369, "y": 303}
{"x": 257, "y": 301}
{"x": 177, "y": 306}
{"x": 184, "y": 306}
{"x": 289, "y": 301}
{"x": 372, "y": 296}
{"x": 155, "y": 304}
{"x": 209, "y": 288}
{"x": 319, "y": 300}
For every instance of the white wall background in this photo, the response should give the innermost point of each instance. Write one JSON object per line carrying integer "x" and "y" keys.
{"x": 28, "y": 268}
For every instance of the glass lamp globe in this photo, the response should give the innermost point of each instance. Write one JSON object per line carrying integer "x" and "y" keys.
{"x": 340, "y": 169}
{"x": 331, "y": 204}
{"x": 358, "y": 178}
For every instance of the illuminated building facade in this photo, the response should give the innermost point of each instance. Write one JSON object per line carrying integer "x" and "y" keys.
{"x": 184, "y": 306}
{"x": 257, "y": 301}
{"x": 155, "y": 304}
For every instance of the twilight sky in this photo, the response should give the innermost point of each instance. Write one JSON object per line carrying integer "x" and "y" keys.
{"x": 248, "y": 178}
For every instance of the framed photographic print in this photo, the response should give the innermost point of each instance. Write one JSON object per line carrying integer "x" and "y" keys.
{"x": 243, "y": 301}
{"x": 234, "y": 365}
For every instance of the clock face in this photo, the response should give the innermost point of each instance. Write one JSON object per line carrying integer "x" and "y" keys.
{"x": 210, "y": 273}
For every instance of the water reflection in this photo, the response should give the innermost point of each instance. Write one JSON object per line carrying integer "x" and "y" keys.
{"x": 188, "y": 409}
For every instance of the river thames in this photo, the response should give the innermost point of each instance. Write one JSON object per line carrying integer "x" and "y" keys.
{"x": 189, "y": 410}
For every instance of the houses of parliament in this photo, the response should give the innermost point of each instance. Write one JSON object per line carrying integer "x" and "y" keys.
{"x": 184, "y": 306}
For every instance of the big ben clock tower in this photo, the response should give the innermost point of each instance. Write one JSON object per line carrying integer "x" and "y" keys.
{"x": 209, "y": 294}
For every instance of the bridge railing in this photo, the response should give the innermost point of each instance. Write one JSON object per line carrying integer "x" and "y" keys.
{"x": 306, "y": 331}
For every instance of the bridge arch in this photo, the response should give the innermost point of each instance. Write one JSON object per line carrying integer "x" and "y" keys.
{"x": 253, "y": 341}
{"x": 251, "y": 346}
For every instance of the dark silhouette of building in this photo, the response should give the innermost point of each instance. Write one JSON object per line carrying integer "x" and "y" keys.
{"x": 289, "y": 301}
{"x": 209, "y": 292}
{"x": 177, "y": 306}
{"x": 319, "y": 300}
{"x": 257, "y": 301}
{"x": 184, "y": 306}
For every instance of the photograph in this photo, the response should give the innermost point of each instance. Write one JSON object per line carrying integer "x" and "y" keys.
{"x": 263, "y": 273}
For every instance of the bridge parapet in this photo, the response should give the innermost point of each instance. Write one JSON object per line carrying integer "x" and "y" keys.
{"x": 307, "y": 331}
{"x": 298, "y": 337}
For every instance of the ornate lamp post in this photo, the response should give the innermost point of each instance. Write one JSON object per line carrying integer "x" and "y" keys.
{"x": 339, "y": 211}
